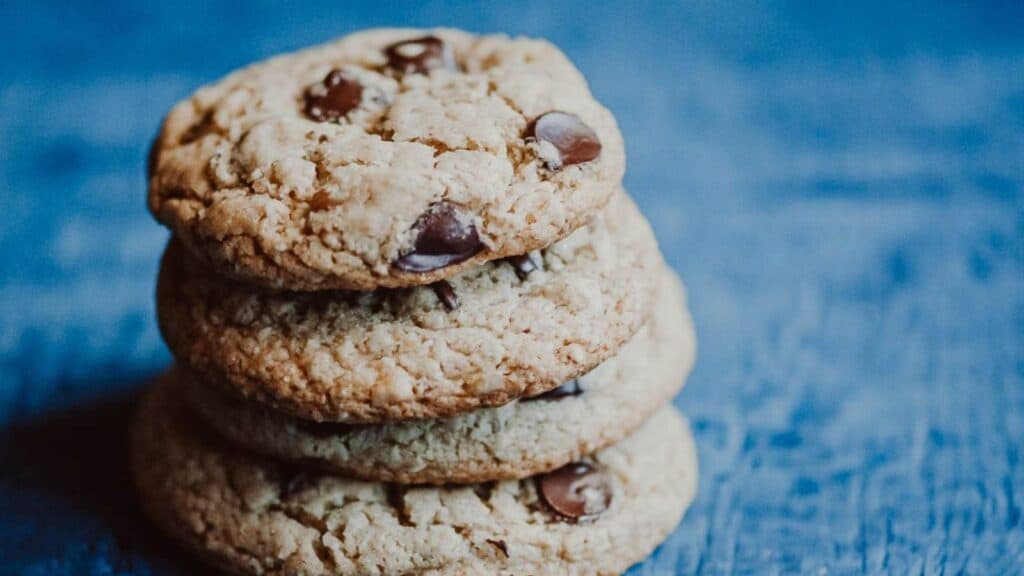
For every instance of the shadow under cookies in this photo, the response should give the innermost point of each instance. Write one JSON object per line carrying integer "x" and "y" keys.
{"x": 67, "y": 499}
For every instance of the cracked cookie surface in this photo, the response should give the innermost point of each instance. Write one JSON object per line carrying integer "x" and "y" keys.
{"x": 252, "y": 515}
{"x": 312, "y": 170}
{"x": 487, "y": 338}
{"x": 522, "y": 438}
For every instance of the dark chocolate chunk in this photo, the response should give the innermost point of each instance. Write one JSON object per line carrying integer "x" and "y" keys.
{"x": 446, "y": 294}
{"x": 332, "y": 98}
{"x": 444, "y": 237}
{"x": 419, "y": 55}
{"x": 575, "y": 141}
{"x": 570, "y": 388}
{"x": 522, "y": 264}
{"x": 576, "y": 491}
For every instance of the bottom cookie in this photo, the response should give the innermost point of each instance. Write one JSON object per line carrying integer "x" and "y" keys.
{"x": 252, "y": 515}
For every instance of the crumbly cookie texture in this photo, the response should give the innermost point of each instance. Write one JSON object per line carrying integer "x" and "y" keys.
{"x": 258, "y": 179}
{"x": 256, "y": 516}
{"x": 402, "y": 354}
{"x": 517, "y": 440}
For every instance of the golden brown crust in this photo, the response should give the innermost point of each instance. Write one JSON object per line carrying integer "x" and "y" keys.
{"x": 517, "y": 440}
{"x": 256, "y": 516}
{"x": 262, "y": 192}
{"x": 398, "y": 355}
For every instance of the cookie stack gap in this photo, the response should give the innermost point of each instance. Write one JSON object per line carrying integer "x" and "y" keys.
{"x": 419, "y": 325}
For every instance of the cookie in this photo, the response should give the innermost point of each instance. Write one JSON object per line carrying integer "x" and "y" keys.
{"x": 252, "y": 515}
{"x": 517, "y": 440}
{"x": 492, "y": 334}
{"x": 388, "y": 158}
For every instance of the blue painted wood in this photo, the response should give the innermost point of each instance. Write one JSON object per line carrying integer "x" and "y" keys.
{"x": 842, "y": 189}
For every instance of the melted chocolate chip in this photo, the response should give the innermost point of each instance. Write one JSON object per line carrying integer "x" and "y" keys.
{"x": 332, "y": 98}
{"x": 576, "y": 491}
{"x": 419, "y": 55}
{"x": 446, "y": 294}
{"x": 523, "y": 265}
{"x": 570, "y": 388}
{"x": 444, "y": 237}
{"x": 500, "y": 545}
{"x": 574, "y": 141}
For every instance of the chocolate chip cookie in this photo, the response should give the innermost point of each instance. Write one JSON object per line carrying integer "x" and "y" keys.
{"x": 494, "y": 333}
{"x": 388, "y": 158}
{"x": 519, "y": 439}
{"x": 251, "y": 515}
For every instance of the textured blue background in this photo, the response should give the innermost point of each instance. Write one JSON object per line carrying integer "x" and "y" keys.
{"x": 842, "y": 189}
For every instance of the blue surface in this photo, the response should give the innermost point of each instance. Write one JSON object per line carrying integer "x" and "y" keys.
{"x": 842, "y": 189}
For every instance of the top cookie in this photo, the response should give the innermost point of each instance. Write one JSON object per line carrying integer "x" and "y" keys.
{"x": 388, "y": 158}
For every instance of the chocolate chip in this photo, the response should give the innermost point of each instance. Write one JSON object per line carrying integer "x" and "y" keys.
{"x": 445, "y": 236}
{"x": 446, "y": 294}
{"x": 523, "y": 265}
{"x": 576, "y": 491}
{"x": 500, "y": 545}
{"x": 574, "y": 141}
{"x": 332, "y": 98}
{"x": 570, "y": 388}
{"x": 419, "y": 55}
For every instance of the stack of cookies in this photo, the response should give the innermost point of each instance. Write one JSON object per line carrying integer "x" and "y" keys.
{"x": 420, "y": 327}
